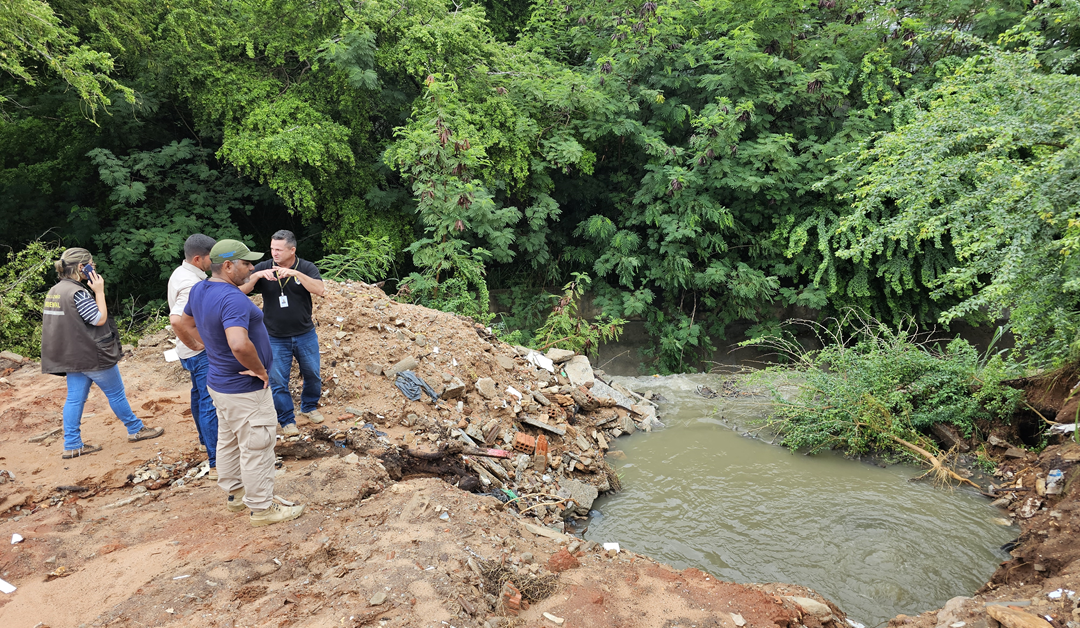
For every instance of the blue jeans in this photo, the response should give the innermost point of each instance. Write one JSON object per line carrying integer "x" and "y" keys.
{"x": 78, "y": 389}
{"x": 305, "y": 348}
{"x": 202, "y": 406}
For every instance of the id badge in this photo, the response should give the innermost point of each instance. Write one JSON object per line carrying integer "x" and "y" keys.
{"x": 283, "y": 301}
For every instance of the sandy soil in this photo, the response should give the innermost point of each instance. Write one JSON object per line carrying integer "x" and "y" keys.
{"x": 136, "y": 535}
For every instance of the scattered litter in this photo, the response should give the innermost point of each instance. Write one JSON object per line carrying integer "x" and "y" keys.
{"x": 513, "y": 391}
{"x": 182, "y": 577}
{"x": 59, "y": 572}
{"x": 558, "y": 621}
{"x": 854, "y": 624}
{"x": 171, "y": 355}
{"x": 277, "y": 562}
{"x": 445, "y": 516}
{"x": 1056, "y": 595}
{"x": 170, "y": 611}
{"x": 16, "y": 538}
{"x": 411, "y": 385}
{"x": 739, "y": 620}
{"x": 611, "y": 546}
{"x": 1063, "y": 428}
{"x": 540, "y": 360}
{"x": 959, "y": 624}
{"x": 6, "y": 587}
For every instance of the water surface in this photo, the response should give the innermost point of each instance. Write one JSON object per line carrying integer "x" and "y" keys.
{"x": 699, "y": 494}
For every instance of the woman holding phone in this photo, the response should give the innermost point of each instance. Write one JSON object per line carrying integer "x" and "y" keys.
{"x": 81, "y": 342}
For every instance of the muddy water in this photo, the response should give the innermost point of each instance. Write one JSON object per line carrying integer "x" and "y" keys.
{"x": 700, "y": 494}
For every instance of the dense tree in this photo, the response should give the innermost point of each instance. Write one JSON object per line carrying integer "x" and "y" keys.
{"x": 693, "y": 157}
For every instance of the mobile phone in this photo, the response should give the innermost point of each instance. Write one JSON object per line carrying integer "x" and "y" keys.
{"x": 89, "y": 268}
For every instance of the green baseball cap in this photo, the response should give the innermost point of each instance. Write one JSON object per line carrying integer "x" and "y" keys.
{"x": 231, "y": 251}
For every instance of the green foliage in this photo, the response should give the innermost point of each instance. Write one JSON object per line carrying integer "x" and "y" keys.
{"x": 696, "y": 159}
{"x": 23, "y": 278}
{"x": 365, "y": 259}
{"x": 861, "y": 392}
{"x": 32, "y": 37}
{"x": 452, "y": 279}
{"x": 565, "y": 328}
{"x": 159, "y": 198}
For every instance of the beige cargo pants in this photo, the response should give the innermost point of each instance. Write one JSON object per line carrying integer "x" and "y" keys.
{"x": 247, "y": 430}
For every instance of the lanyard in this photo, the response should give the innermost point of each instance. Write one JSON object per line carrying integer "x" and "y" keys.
{"x": 281, "y": 286}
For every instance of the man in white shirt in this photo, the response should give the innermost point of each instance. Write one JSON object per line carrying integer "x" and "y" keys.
{"x": 192, "y": 271}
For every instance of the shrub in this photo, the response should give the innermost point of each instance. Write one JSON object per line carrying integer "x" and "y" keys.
{"x": 22, "y": 281}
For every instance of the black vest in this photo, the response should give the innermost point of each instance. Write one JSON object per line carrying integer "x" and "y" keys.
{"x": 70, "y": 344}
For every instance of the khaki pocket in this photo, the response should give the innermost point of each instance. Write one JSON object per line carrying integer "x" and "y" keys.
{"x": 265, "y": 415}
{"x": 261, "y": 437}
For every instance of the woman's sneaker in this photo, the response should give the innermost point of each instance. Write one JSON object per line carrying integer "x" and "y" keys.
{"x": 146, "y": 433}
{"x": 276, "y": 513}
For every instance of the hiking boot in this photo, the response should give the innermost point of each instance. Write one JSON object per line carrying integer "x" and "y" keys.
{"x": 276, "y": 513}
{"x": 289, "y": 429}
{"x": 212, "y": 474}
{"x": 235, "y": 501}
{"x": 85, "y": 450}
{"x": 314, "y": 416}
{"x": 146, "y": 433}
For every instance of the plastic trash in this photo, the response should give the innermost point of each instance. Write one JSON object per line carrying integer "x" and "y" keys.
{"x": 16, "y": 538}
{"x": 411, "y": 385}
{"x": 1053, "y": 482}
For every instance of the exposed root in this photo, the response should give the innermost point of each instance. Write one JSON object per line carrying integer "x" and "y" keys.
{"x": 941, "y": 473}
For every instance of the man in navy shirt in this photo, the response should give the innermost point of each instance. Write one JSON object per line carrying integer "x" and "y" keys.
{"x": 287, "y": 283}
{"x": 220, "y": 317}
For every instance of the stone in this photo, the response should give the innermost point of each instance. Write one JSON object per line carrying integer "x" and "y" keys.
{"x": 378, "y": 598}
{"x": 582, "y": 443}
{"x": 581, "y": 494}
{"x": 950, "y": 613}
{"x": 812, "y": 607}
{"x": 11, "y": 357}
{"x": 352, "y": 458}
{"x": 558, "y": 356}
{"x": 579, "y": 371}
{"x": 454, "y": 390}
{"x": 540, "y": 398}
{"x": 585, "y": 401}
{"x": 558, "y": 621}
{"x": 739, "y": 620}
{"x": 562, "y": 560}
{"x": 486, "y": 387}
{"x": 949, "y": 438}
{"x": 506, "y": 363}
{"x": 527, "y": 558}
{"x": 374, "y": 369}
{"x": 420, "y": 340}
{"x": 407, "y": 364}
{"x": 603, "y": 392}
{"x": 475, "y": 432}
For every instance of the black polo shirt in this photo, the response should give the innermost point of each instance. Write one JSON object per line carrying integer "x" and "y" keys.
{"x": 295, "y": 319}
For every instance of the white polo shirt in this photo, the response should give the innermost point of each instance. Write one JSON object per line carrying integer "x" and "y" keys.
{"x": 180, "y": 283}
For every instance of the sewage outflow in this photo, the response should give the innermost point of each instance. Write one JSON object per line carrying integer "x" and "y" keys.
{"x": 701, "y": 494}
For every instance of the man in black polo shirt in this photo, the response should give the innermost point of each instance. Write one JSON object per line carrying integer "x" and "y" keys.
{"x": 287, "y": 283}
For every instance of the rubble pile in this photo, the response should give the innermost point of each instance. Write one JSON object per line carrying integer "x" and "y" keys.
{"x": 431, "y": 393}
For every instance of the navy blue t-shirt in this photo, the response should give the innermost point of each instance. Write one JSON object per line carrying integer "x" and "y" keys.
{"x": 216, "y": 306}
